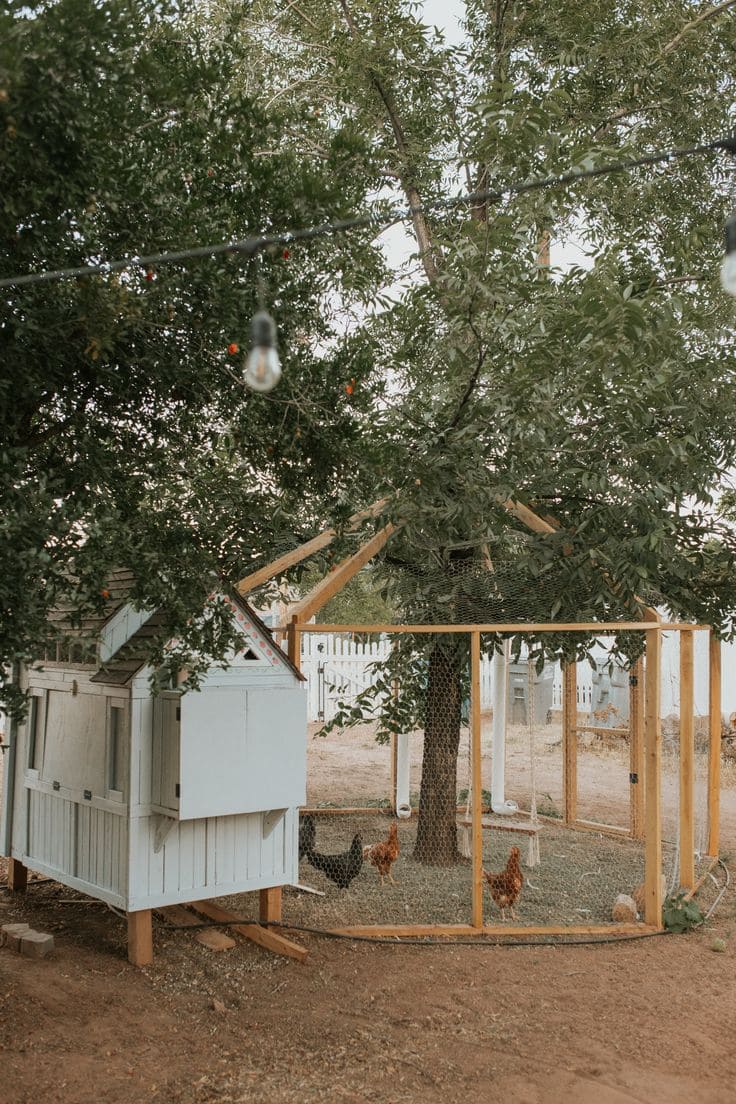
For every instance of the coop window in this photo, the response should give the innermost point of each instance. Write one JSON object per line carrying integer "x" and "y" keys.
{"x": 116, "y": 756}
{"x": 35, "y": 732}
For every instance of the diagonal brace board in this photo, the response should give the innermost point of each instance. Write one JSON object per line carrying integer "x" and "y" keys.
{"x": 322, "y": 540}
{"x": 334, "y": 582}
{"x": 264, "y": 937}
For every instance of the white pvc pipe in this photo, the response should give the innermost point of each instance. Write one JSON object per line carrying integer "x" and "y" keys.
{"x": 500, "y": 668}
{"x": 401, "y": 798}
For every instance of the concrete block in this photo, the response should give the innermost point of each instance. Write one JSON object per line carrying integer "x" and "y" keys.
{"x": 36, "y": 944}
{"x": 10, "y": 935}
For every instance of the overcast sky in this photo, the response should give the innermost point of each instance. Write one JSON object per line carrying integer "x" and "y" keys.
{"x": 447, "y": 15}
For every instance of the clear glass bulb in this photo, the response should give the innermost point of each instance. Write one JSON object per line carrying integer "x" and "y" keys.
{"x": 262, "y": 368}
{"x": 728, "y": 273}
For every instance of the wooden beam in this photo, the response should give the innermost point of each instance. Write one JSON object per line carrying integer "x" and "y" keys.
{"x": 636, "y": 751}
{"x": 653, "y": 782}
{"x": 608, "y": 628}
{"x": 264, "y": 937}
{"x": 294, "y": 644}
{"x": 570, "y": 741}
{"x": 687, "y": 762}
{"x": 476, "y": 757}
{"x": 17, "y": 876}
{"x": 140, "y": 938}
{"x": 597, "y": 826}
{"x": 712, "y": 864}
{"x": 334, "y": 582}
{"x": 289, "y": 559}
{"x": 714, "y": 746}
{"x": 270, "y": 901}
{"x": 526, "y": 515}
{"x": 500, "y": 930}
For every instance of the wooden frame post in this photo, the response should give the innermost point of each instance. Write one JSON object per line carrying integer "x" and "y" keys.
{"x": 17, "y": 876}
{"x": 653, "y": 782}
{"x": 570, "y": 741}
{"x": 270, "y": 905}
{"x": 140, "y": 937}
{"x": 294, "y": 641}
{"x": 714, "y": 745}
{"x": 475, "y": 745}
{"x": 636, "y": 751}
{"x": 687, "y": 762}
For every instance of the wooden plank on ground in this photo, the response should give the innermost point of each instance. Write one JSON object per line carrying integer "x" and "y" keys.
{"x": 177, "y": 914}
{"x": 215, "y": 940}
{"x": 264, "y": 937}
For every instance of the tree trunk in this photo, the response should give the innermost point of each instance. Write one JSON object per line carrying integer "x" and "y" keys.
{"x": 436, "y": 843}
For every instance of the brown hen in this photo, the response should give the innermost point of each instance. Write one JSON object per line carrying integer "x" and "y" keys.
{"x": 383, "y": 855}
{"x": 506, "y": 887}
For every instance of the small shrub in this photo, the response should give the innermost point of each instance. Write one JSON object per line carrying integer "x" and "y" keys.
{"x": 681, "y": 915}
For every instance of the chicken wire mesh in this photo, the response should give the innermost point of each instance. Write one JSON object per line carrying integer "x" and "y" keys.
{"x": 374, "y": 704}
{"x": 586, "y": 804}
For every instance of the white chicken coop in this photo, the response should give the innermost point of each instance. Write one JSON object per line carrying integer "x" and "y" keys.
{"x": 146, "y": 801}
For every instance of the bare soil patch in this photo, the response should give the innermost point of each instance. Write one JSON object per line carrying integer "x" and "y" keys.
{"x": 650, "y": 1022}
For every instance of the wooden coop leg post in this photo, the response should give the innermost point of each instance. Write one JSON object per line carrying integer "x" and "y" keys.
{"x": 270, "y": 902}
{"x": 687, "y": 762}
{"x": 140, "y": 937}
{"x": 17, "y": 876}
{"x": 570, "y": 741}
{"x": 714, "y": 746}
{"x": 477, "y": 801}
{"x": 653, "y": 781}
{"x": 636, "y": 750}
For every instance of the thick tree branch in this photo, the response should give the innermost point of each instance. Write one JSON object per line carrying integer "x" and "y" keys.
{"x": 427, "y": 249}
{"x": 709, "y": 13}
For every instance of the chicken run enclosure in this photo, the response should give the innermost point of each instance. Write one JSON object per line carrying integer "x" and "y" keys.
{"x": 474, "y": 770}
{"x": 594, "y": 751}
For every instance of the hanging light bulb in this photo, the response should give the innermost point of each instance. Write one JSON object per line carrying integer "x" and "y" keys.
{"x": 728, "y": 268}
{"x": 262, "y": 365}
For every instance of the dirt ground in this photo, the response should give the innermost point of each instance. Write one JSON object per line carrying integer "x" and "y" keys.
{"x": 648, "y": 1021}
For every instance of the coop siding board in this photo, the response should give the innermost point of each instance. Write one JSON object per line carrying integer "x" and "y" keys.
{"x": 217, "y": 856}
{"x": 99, "y": 892}
{"x": 77, "y": 841}
{"x": 259, "y": 733}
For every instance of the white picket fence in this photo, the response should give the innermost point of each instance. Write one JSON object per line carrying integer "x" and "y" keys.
{"x": 338, "y": 668}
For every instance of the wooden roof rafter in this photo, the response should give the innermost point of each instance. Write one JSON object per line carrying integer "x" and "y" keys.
{"x": 316, "y": 544}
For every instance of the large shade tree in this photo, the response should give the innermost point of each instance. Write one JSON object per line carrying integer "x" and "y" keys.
{"x": 601, "y": 394}
{"x": 127, "y": 436}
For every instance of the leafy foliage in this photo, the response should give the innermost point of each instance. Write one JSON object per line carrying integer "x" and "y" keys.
{"x": 128, "y": 439}
{"x": 681, "y": 915}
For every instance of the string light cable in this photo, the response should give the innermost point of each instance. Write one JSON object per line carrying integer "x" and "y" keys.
{"x": 381, "y": 220}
